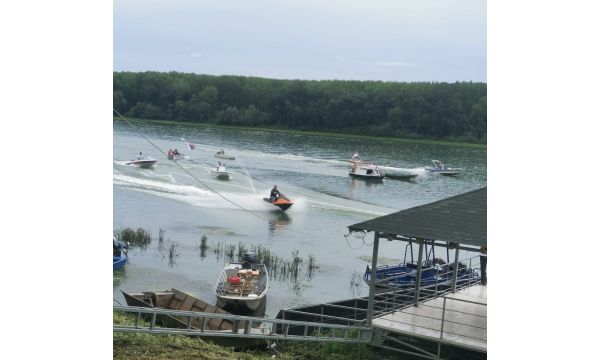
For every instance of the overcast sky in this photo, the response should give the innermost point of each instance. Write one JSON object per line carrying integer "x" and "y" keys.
{"x": 390, "y": 40}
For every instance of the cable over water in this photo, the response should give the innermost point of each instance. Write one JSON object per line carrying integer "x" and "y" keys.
{"x": 193, "y": 176}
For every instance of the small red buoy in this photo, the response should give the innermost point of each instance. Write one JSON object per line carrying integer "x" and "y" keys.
{"x": 234, "y": 280}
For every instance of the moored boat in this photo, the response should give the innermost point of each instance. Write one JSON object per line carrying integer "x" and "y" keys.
{"x": 119, "y": 262}
{"x": 176, "y": 300}
{"x": 440, "y": 168}
{"x": 436, "y": 272}
{"x": 119, "y": 254}
{"x": 242, "y": 283}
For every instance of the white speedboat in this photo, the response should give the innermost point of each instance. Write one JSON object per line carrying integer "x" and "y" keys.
{"x": 243, "y": 283}
{"x": 221, "y": 155}
{"x": 363, "y": 169}
{"x": 439, "y": 168}
{"x": 141, "y": 162}
{"x": 221, "y": 173}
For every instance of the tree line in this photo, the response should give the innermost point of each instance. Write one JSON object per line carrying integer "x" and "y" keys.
{"x": 427, "y": 110}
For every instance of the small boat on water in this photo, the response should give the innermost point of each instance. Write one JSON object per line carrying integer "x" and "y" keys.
{"x": 363, "y": 169}
{"x": 221, "y": 173}
{"x": 142, "y": 162}
{"x": 176, "y": 300}
{"x": 439, "y": 168}
{"x": 243, "y": 283}
{"x": 221, "y": 155}
{"x": 119, "y": 254}
{"x": 176, "y": 157}
{"x": 281, "y": 202}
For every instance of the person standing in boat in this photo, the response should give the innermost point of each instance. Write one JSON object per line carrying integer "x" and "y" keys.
{"x": 141, "y": 157}
{"x": 355, "y": 157}
{"x": 170, "y": 154}
{"x": 274, "y": 193}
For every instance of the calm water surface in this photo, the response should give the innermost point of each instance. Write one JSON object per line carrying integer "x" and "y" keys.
{"x": 313, "y": 170}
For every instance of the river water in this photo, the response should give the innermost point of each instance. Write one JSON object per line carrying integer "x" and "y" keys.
{"x": 310, "y": 169}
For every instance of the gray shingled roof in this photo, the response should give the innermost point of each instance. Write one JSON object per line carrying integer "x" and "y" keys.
{"x": 461, "y": 218}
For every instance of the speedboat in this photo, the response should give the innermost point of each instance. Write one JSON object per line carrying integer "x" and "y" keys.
{"x": 439, "y": 168}
{"x": 363, "y": 169}
{"x": 221, "y": 173}
{"x": 281, "y": 201}
{"x": 243, "y": 283}
{"x": 221, "y": 155}
{"x": 141, "y": 162}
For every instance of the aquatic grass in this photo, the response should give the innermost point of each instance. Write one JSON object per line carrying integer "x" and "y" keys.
{"x": 173, "y": 254}
{"x": 161, "y": 238}
{"x": 134, "y": 238}
{"x": 312, "y": 265}
{"x": 203, "y": 246}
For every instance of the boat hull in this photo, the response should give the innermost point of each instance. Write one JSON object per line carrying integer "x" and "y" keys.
{"x": 225, "y": 156}
{"x": 448, "y": 172}
{"x": 366, "y": 177}
{"x": 119, "y": 262}
{"x": 400, "y": 176}
{"x": 221, "y": 175}
{"x": 144, "y": 164}
{"x": 281, "y": 203}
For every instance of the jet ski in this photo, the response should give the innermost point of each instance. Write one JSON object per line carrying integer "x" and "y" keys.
{"x": 281, "y": 201}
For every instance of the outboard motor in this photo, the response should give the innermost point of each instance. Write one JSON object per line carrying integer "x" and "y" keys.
{"x": 249, "y": 260}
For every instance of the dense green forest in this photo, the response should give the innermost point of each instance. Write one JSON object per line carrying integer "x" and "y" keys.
{"x": 451, "y": 111}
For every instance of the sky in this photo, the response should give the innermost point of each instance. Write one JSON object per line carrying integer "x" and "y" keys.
{"x": 388, "y": 40}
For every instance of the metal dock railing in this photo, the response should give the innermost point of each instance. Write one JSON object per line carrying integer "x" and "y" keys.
{"x": 269, "y": 329}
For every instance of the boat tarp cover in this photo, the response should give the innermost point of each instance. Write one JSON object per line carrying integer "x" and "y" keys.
{"x": 461, "y": 219}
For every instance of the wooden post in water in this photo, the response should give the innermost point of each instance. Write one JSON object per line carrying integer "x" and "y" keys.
{"x": 373, "y": 278}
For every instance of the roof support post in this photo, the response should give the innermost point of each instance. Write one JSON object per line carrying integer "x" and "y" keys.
{"x": 455, "y": 270}
{"x": 420, "y": 241}
{"x": 373, "y": 278}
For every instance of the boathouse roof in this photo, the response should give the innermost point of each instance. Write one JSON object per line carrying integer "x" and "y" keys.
{"x": 461, "y": 219}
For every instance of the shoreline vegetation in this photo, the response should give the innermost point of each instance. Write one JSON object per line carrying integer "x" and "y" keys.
{"x": 304, "y": 132}
{"x": 409, "y": 110}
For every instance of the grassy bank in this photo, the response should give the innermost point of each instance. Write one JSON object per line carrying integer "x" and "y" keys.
{"x": 299, "y": 132}
{"x": 153, "y": 347}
